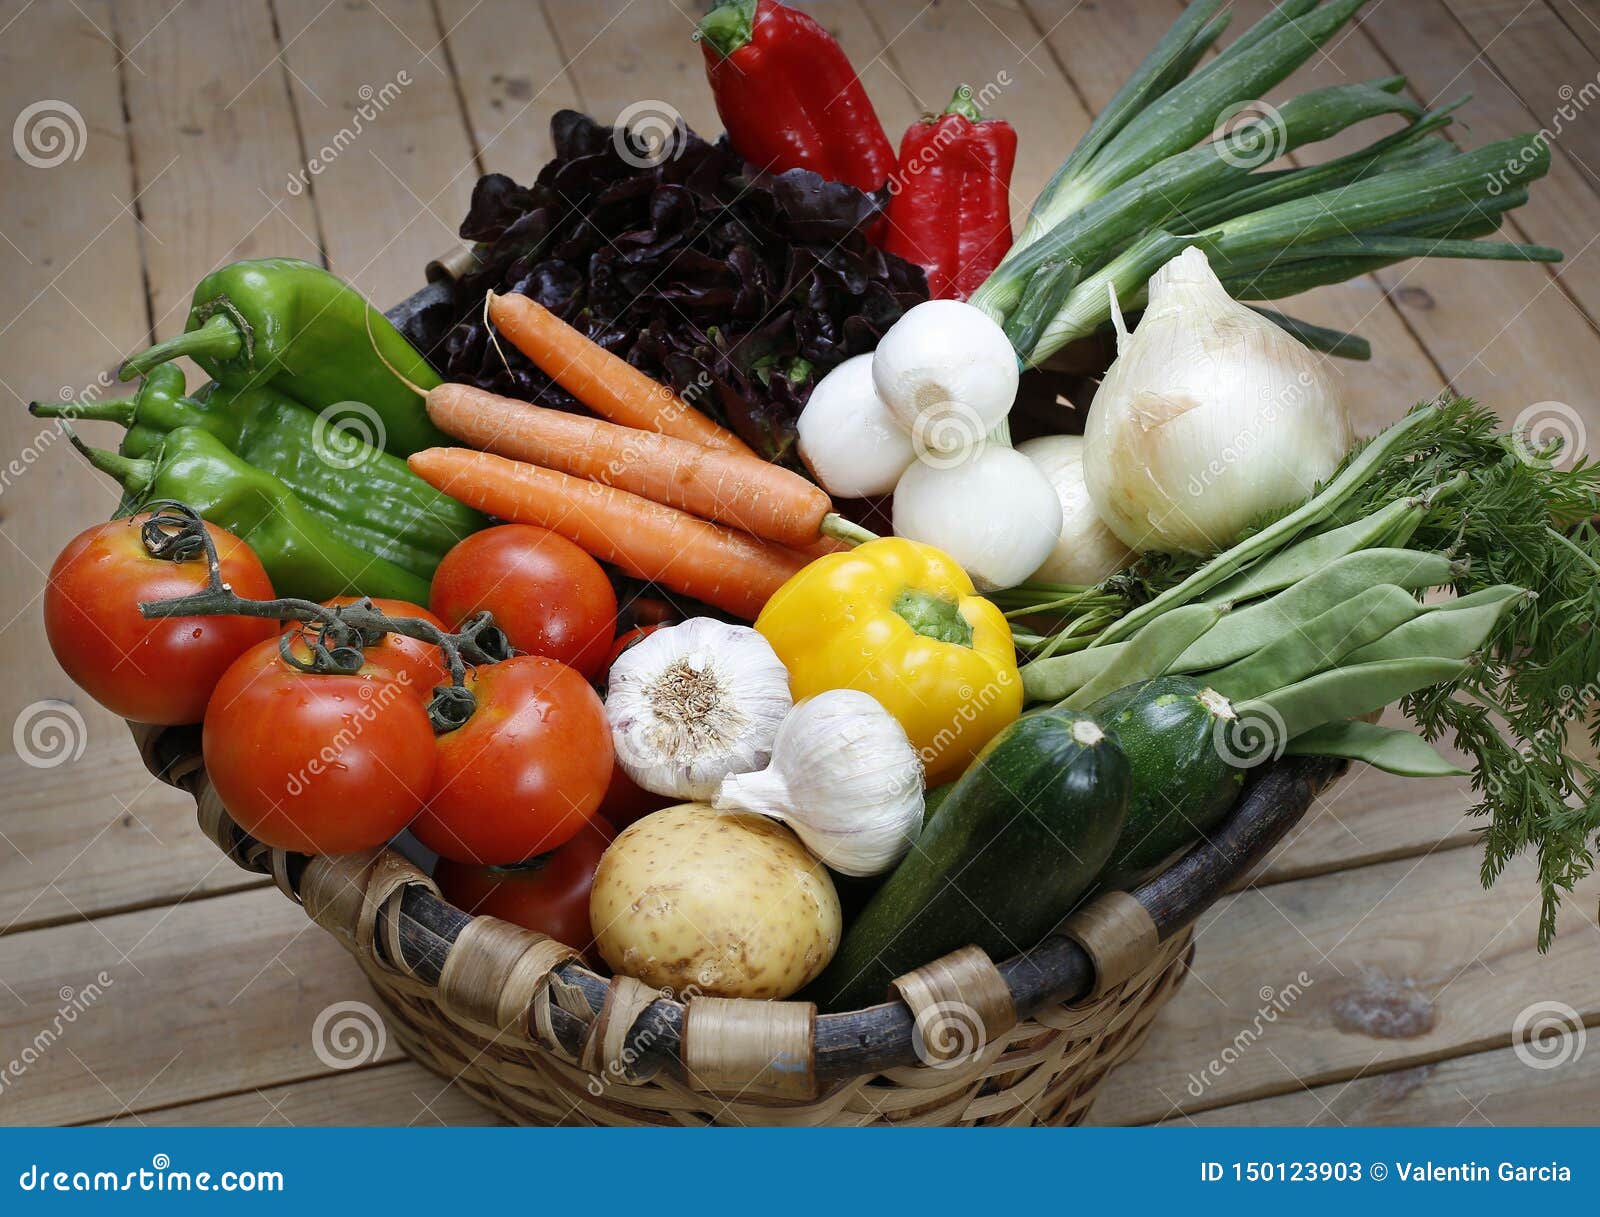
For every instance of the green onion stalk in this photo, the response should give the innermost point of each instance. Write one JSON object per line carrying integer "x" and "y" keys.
{"x": 1140, "y": 187}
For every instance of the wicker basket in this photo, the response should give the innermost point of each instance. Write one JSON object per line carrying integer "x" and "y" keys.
{"x": 517, "y": 1021}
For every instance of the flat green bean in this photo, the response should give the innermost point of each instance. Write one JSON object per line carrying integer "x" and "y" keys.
{"x": 1150, "y": 653}
{"x": 1061, "y": 675}
{"x": 1453, "y": 629}
{"x": 1388, "y": 748}
{"x": 1344, "y": 693}
{"x": 1259, "y": 625}
{"x": 1318, "y": 644}
{"x": 1304, "y": 558}
{"x": 1257, "y": 546}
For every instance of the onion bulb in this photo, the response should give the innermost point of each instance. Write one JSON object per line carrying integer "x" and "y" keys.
{"x": 1087, "y": 551}
{"x": 993, "y": 511}
{"x": 848, "y": 438}
{"x": 948, "y": 374}
{"x": 1211, "y": 418}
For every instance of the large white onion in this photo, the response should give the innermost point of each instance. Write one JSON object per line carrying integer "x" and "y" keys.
{"x": 1211, "y": 418}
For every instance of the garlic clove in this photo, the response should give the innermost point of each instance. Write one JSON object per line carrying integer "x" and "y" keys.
{"x": 844, "y": 777}
{"x": 694, "y": 702}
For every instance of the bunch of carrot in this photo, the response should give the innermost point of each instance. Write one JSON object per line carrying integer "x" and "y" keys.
{"x": 652, "y": 486}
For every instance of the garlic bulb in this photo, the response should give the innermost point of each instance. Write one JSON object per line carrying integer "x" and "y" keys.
{"x": 848, "y": 438}
{"x": 694, "y": 702}
{"x": 1087, "y": 551}
{"x": 948, "y": 374}
{"x": 1211, "y": 418}
{"x": 993, "y": 511}
{"x": 844, "y": 777}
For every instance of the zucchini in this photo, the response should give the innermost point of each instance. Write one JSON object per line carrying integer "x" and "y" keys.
{"x": 1013, "y": 846}
{"x": 1172, "y": 730}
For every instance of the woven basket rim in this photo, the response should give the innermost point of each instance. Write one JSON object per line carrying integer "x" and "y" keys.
{"x": 1057, "y": 971}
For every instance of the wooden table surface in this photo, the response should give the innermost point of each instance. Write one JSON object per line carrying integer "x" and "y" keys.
{"x": 1364, "y": 978}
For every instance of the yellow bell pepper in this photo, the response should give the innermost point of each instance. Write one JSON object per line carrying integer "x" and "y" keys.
{"x": 901, "y": 621}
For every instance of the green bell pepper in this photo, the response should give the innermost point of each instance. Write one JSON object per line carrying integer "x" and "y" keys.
{"x": 303, "y": 556}
{"x": 365, "y": 496}
{"x": 306, "y": 332}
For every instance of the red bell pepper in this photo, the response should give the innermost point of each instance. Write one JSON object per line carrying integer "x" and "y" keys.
{"x": 950, "y": 204}
{"x": 788, "y": 95}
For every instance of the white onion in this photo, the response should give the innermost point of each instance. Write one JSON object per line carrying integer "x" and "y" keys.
{"x": 947, "y": 373}
{"x": 1211, "y": 418}
{"x": 1086, "y": 551}
{"x": 848, "y": 438}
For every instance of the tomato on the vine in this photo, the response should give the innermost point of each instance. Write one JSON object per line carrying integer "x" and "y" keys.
{"x": 525, "y": 772}
{"x": 318, "y": 763}
{"x": 550, "y": 895}
{"x": 414, "y": 663}
{"x": 549, "y": 596}
{"x": 152, "y": 670}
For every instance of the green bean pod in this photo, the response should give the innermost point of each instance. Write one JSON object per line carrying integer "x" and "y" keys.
{"x": 1151, "y": 653}
{"x": 1344, "y": 693}
{"x": 1453, "y": 629}
{"x": 1050, "y": 680}
{"x": 1390, "y": 526}
{"x": 1318, "y": 644}
{"x": 1250, "y": 629}
{"x": 1388, "y": 748}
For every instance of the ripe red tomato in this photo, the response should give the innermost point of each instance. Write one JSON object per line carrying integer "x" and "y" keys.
{"x": 314, "y": 763}
{"x": 416, "y": 664}
{"x": 549, "y": 597}
{"x": 152, "y": 670}
{"x": 525, "y": 773}
{"x": 550, "y": 896}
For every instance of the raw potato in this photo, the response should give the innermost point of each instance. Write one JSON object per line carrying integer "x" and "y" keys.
{"x": 723, "y": 904}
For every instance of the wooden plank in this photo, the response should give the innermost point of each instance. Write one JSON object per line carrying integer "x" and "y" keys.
{"x": 221, "y": 150}
{"x": 1441, "y": 61}
{"x": 1498, "y": 1088}
{"x": 509, "y": 66}
{"x": 622, "y": 55}
{"x": 401, "y": 1094}
{"x": 194, "y": 1000}
{"x": 1502, "y": 332}
{"x": 392, "y": 168}
{"x": 1537, "y": 55}
{"x": 1099, "y": 47}
{"x": 69, "y": 248}
{"x": 101, "y": 835}
{"x": 997, "y": 51}
{"x": 1582, "y": 20}
{"x": 1321, "y": 980}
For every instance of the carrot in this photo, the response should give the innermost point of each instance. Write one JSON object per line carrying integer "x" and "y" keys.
{"x": 733, "y": 489}
{"x": 613, "y": 388}
{"x": 721, "y": 566}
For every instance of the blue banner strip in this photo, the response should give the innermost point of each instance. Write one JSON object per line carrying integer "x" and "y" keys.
{"x": 810, "y": 1172}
